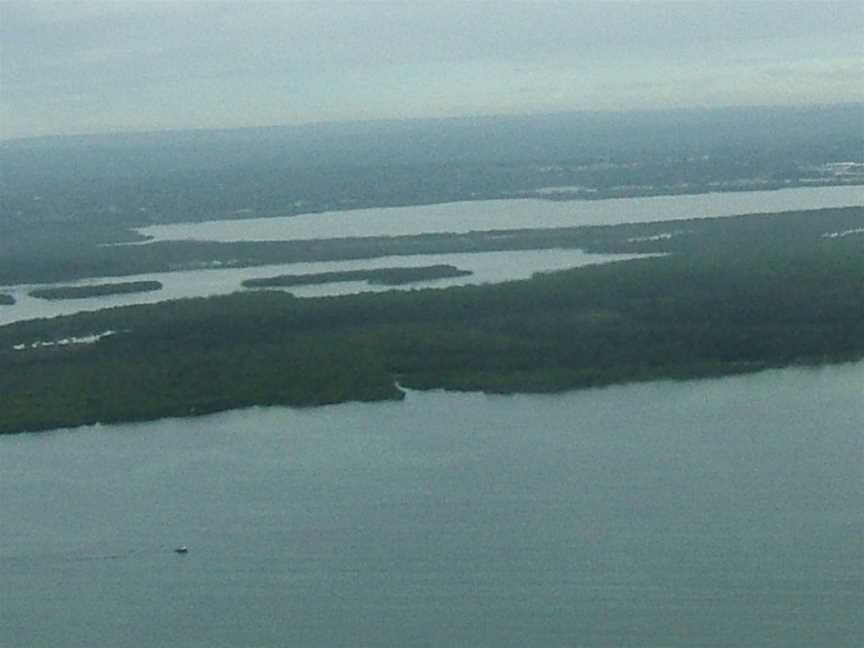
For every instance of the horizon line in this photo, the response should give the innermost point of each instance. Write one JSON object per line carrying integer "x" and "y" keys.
{"x": 143, "y": 132}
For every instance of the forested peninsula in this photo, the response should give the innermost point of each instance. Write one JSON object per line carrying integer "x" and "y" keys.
{"x": 730, "y": 295}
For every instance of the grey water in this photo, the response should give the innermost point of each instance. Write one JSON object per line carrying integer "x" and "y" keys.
{"x": 485, "y": 215}
{"x": 723, "y": 512}
{"x": 485, "y": 267}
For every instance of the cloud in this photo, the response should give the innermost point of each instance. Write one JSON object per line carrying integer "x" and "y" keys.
{"x": 71, "y": 67}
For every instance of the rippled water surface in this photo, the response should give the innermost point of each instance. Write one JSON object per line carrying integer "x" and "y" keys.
{"x": 717, "y": 513}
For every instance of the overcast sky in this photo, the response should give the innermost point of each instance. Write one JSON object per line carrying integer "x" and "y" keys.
{"x": 78, "y": 67}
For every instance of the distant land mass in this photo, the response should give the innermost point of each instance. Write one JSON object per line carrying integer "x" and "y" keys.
{"x": 65, "y": 198}
{"x": 183, "y": 176}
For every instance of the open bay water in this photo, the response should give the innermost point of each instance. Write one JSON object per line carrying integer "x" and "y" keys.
{"x": 722, "y": 512}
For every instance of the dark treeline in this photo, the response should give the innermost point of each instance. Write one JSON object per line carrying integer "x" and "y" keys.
{"x": 755, "y": 293}
{"x": 375, "y": 276}
{"x": 97, "y": 290}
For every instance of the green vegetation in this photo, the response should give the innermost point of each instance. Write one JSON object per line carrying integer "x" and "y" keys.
{"x": 375, "y": 276}
{"x": 98, "y": 290}
{"x": 6, "y": 300}
{"x": 731, "y": 295}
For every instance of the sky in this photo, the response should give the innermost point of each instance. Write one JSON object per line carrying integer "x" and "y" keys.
{"x": 87, "y": 67}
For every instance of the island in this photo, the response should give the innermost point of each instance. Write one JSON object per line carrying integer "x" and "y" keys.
{"x": 97, "y": 290}
{"x": 6, "y": 300}
{"x": 375, "y": 276}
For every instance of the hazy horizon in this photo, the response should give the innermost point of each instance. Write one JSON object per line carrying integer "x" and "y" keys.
{"x": 431, "y": 119}
{"x": 92, "y": 67}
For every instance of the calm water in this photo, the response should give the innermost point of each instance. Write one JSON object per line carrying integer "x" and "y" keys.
{"x": 709, "y": 513}
{"x": 487, "y": 267}
{"x": 483, "y": 215}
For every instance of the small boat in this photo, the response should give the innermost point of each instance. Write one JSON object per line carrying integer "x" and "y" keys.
{"x": 182, "y": 549}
